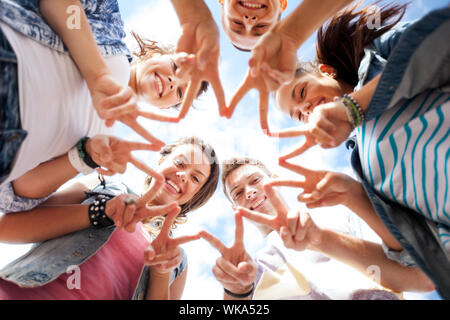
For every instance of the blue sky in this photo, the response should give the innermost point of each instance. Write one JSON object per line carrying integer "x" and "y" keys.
{"x": 239, "y": 136}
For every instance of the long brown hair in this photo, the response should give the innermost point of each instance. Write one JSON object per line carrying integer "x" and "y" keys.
{"x": 341, "y": 42}
{"x": 205, "y": 192}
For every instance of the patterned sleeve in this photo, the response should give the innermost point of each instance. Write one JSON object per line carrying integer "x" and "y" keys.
{"x": 10, "y": 202}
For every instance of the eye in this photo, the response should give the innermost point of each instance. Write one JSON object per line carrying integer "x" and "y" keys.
{"x": 180, "y": 93}
{"x": 237, "y": 195}
{"x": 260, "y": 26}
{"x": 196, "y": 180}
{"x": 174, "y": 66}
{"x": 255, "y": 180}
{"x": 237, "y": 22}
{"x": 302, "y": 93}
{"x": 178, "y": 163}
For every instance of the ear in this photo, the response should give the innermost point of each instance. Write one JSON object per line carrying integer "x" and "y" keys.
{"x": 328, "y": 71}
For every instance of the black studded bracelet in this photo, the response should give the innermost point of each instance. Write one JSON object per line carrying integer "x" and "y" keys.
{"x": 97, "y": 215}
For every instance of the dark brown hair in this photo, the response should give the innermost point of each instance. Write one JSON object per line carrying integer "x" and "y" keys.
{"x": 341, "y": 42}
{"x": 208, "y": 188}
{"x": 148, "y": 48}
{"x": 234, "y": 163}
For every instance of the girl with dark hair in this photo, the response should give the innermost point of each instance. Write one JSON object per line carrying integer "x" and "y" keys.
{"x": 103, "y": 237}
{"x": 389, "y": 82}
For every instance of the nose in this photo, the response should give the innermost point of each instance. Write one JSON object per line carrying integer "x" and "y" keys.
{"x": 305, "y": 108}
{"x": 182, "y": 176}
{"x": 250, "y": 194}
{"x": 173, "y": 80}
{"x": 249, "y": 20}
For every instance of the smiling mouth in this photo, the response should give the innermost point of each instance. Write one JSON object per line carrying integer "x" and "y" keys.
{"x": 172, "y": 187}
{"x": 252, "y": 5}
{"x": 258, "y": 203}
{"x": 159, "y": 85}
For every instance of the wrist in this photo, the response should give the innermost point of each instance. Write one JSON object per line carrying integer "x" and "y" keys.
{"x": 239, "y": 292}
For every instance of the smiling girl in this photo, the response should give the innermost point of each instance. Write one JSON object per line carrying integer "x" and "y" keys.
{"x": 187, "y": 177}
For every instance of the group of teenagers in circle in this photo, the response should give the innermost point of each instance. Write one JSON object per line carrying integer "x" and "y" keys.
{"x": 65, "y": 85}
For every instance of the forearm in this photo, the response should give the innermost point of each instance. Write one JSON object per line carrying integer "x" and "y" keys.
{"x": 189, "y": 9}
{"x": 361, "y": 205}
{"x": 308, "y": 17}
{"x": 43, "y": 223}
{"x": 158, "y": 286}
{"x": 78, "y": 38}
{"x": 364, "y": 255}
{"x": 364, "y": 95}
{"x": 44, "y": 179}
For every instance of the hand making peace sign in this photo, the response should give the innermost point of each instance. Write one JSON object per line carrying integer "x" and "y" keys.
{"x": 320, "y": 188}
{"x": 272, "y": 63}
{"x": 164, "y": 253}
{"x": 297, "y": 230}
{"x": 235, "y": 269}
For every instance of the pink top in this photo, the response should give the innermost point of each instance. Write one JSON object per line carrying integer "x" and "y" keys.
{"x": 111, "y": 274}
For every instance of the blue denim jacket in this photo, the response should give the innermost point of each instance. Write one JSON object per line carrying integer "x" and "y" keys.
{"x": 103, "y": 16}
{"x": 48, "y": 260}
{"x": 415, "y": 59}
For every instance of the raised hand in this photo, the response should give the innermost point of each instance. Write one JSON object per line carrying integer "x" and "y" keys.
{"x": 235, "y": 269}
{"x": 200, "y": 37}
{"x": 297, "y": 230}
{"x": 113, "y": 154}
{"x": 164, "y": 253}
{"x": 320, "y": 188}
{"x": 125, "y": 212}
{"x": 272, "y": 63}
{"x": 328, "y": 126}
{"x": 274, "y": 222}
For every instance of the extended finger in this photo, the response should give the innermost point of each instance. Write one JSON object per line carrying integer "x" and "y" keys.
{"x": 117, "y": 112}
{"x": 292, "y": 132}
{"x": 239, "y": 94}
{"x": 189, "y": 96}
{"x": 301, "y": 148}
{"x": 256, "y": 58}
{"x": 239, "y": 231}
{"x": 257, "y": 217}
{"x": 322, "y": 136}
{"x": 183, "y": 239}
{"x": 264, "y": 110}
{"x": 155, "y": 186}
{"x": 142, "y": 146}
{"x": 157, "y": 116}
{"x": 296, "y": 168}
{"x": 140, "y": 130}
{"x": 216, "y": 84}
{"x": 286, "y": 183}
{"x": 128, "y": 214}
{"x": 276, "y": 202}
{"x": 214, "y": 241}
{"x": 168, "y": 222}
{"x": 286, "y": 236}
{"x": 155, "y": 211}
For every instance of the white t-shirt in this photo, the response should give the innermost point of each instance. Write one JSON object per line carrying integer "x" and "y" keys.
{"x": 55, "y": 104}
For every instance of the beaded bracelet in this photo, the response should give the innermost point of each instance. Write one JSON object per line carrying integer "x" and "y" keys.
{"x": 354, "y": 111}
{"x": 97, "y": 215}
{"x": 240, "y": 295}
{"x": 84, "y": 155}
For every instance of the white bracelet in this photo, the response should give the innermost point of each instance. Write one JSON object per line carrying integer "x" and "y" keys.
{"x": 78, "y": 163}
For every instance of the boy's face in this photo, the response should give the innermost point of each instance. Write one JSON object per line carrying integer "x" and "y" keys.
{"x": 244, "y": 22}
{"x": 245, "y": 187}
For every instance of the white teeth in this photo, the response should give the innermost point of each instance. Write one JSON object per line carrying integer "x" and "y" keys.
{"x": 173, "y": 185}
{"x": 160, "y": 85}
{"x": 259, "y": 203}
{"x": 252, "y": 5}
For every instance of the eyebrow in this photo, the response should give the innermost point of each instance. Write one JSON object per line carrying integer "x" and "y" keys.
{"x": 236, "y": 31}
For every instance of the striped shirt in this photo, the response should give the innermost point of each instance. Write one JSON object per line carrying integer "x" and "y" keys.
{"x": 404, "y": 155}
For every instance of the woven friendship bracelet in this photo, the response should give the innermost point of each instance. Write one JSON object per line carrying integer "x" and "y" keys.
{"x": 81, "y": 146}
{"x": 97, "y": 215}
{"x": 355, "y": 108}
{"x": 240, "y": 295}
